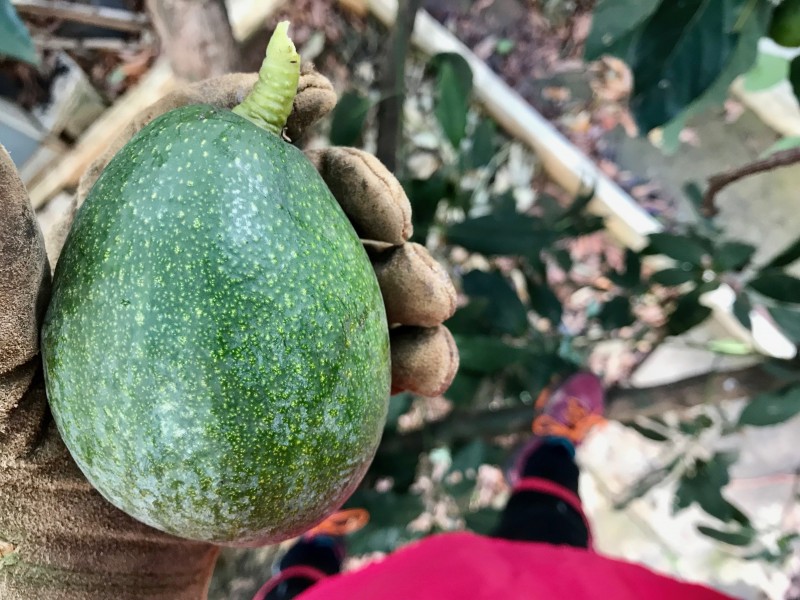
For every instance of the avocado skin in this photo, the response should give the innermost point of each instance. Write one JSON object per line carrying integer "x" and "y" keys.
{"x": 216, "y": 351}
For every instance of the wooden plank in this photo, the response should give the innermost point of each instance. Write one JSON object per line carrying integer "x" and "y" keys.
{"x": 157, "y": 82}
{"x": 571, "y": 169}
{"x": 112, "y": 18}
{"x": 247, "y": 18}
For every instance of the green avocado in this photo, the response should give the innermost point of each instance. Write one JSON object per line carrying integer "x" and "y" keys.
{"x": 216, "y": 349}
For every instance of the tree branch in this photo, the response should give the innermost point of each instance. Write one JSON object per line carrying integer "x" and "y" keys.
{"x": 196, "y": 36}
{"x": 784, "y": 158}
{"x": 390, "y": 109}
{"x": 621, "y": 405}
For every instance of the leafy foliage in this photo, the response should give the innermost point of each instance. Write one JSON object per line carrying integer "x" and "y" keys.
{"x": 683, "y": 55}
{"x": 512, "y": 326}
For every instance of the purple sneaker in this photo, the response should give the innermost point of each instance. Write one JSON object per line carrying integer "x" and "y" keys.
{"x": 568, "y": 413}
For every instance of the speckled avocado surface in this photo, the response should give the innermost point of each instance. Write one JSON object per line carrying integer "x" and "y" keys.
{"x": 216, "y": 350}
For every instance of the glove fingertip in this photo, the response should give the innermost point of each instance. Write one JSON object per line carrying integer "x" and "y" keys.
{"x": 424, "y": 360}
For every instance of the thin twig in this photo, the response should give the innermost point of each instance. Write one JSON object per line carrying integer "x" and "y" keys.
{"x": 112, "y": 18}
{"x": 390, "y": 110}
{"x": 622, "y": 405}
{"x": 783, "y": 158}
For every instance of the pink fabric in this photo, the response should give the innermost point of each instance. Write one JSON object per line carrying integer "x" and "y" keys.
{"x": 546, "y": 486}
{"x": 469, "y": 566}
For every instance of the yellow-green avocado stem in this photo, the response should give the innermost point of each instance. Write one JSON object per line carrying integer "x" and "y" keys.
{"x": 270, "y": 101}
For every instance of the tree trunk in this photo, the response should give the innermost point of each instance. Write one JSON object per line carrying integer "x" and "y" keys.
{"x": 196, "y": 37}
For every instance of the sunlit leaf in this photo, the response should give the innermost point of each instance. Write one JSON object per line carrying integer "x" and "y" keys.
{"x": 771, "y": 408}
{"x": 742, "y": 537}
{"x": 681, "y": 52}
{"x": 768, "y": 71}
{"x": 704, "y": 486}
{"x": 453, "y": 87}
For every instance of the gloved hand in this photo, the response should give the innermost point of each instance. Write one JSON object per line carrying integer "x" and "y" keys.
{"x": 59, "y": 539}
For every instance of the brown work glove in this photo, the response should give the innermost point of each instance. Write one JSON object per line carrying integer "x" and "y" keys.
{"x": 59, "y": 539}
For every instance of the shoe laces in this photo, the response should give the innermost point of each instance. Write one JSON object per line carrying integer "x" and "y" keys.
{"x": 574, "y": 425}
{"x": 341, "y": 523}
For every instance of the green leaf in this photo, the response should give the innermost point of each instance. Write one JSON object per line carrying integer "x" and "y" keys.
{"x": 389, "y": 513}
{"x": 674, "y": 276}
{"x": 768, "y": 71}
{"x": 483, "y": 144}
{"x": 741, "y": 310}
{"x": 454, "y": 87}
{"x": 469, "y": 457}
{"x": 579, "y": 204}
{"x": 464, "y": 388}
{"x": 470, "y": 319}
{"x": 743, "y": 537}
{"x": 680, "y": 247}
{"x": 771, "y": 408}
{"x": 347, "y": 121}
{"x": 425, "y": 196}
{"x": 786, "y": 257}
{"x": 632, "y": 276}
{"x": 504, "y": 46}
{"x": 616, "y": 313}
{"x": 398, "y": 406}
{"x": 730, "y": 347}
{"x": 501, "y": 234}
{"x": 482, "y": 521}
{"x": 753, "y": 25}
{"x": 794, "y": 75}
{"x": 650, "y": 434}
{"x": 788, "y": 321}
{"x": 778, "y": 286}
{"x": 15, "y": 41}
{"x": 681, "y": 51}
{"x": 782, "y": 144}
{"x": 785, "y": 26}
{"x": 614, "y": 23}
{"x": 504, "y": 310}
{"x": 545, "y": 302}
{"x": 695, "y": 425}
{"x": 488, "y": 355}
{"x": 733, "y": 256}
{"x": 704, "y": 486}
{"x": 688, "y": 311}
{"x": 562, "y": 258}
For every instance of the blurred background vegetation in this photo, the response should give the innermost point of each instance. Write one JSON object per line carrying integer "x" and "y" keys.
{"x": 544, "y": 288}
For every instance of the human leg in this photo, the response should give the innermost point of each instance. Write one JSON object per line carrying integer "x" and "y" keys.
{"x": 545, "y": 506}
